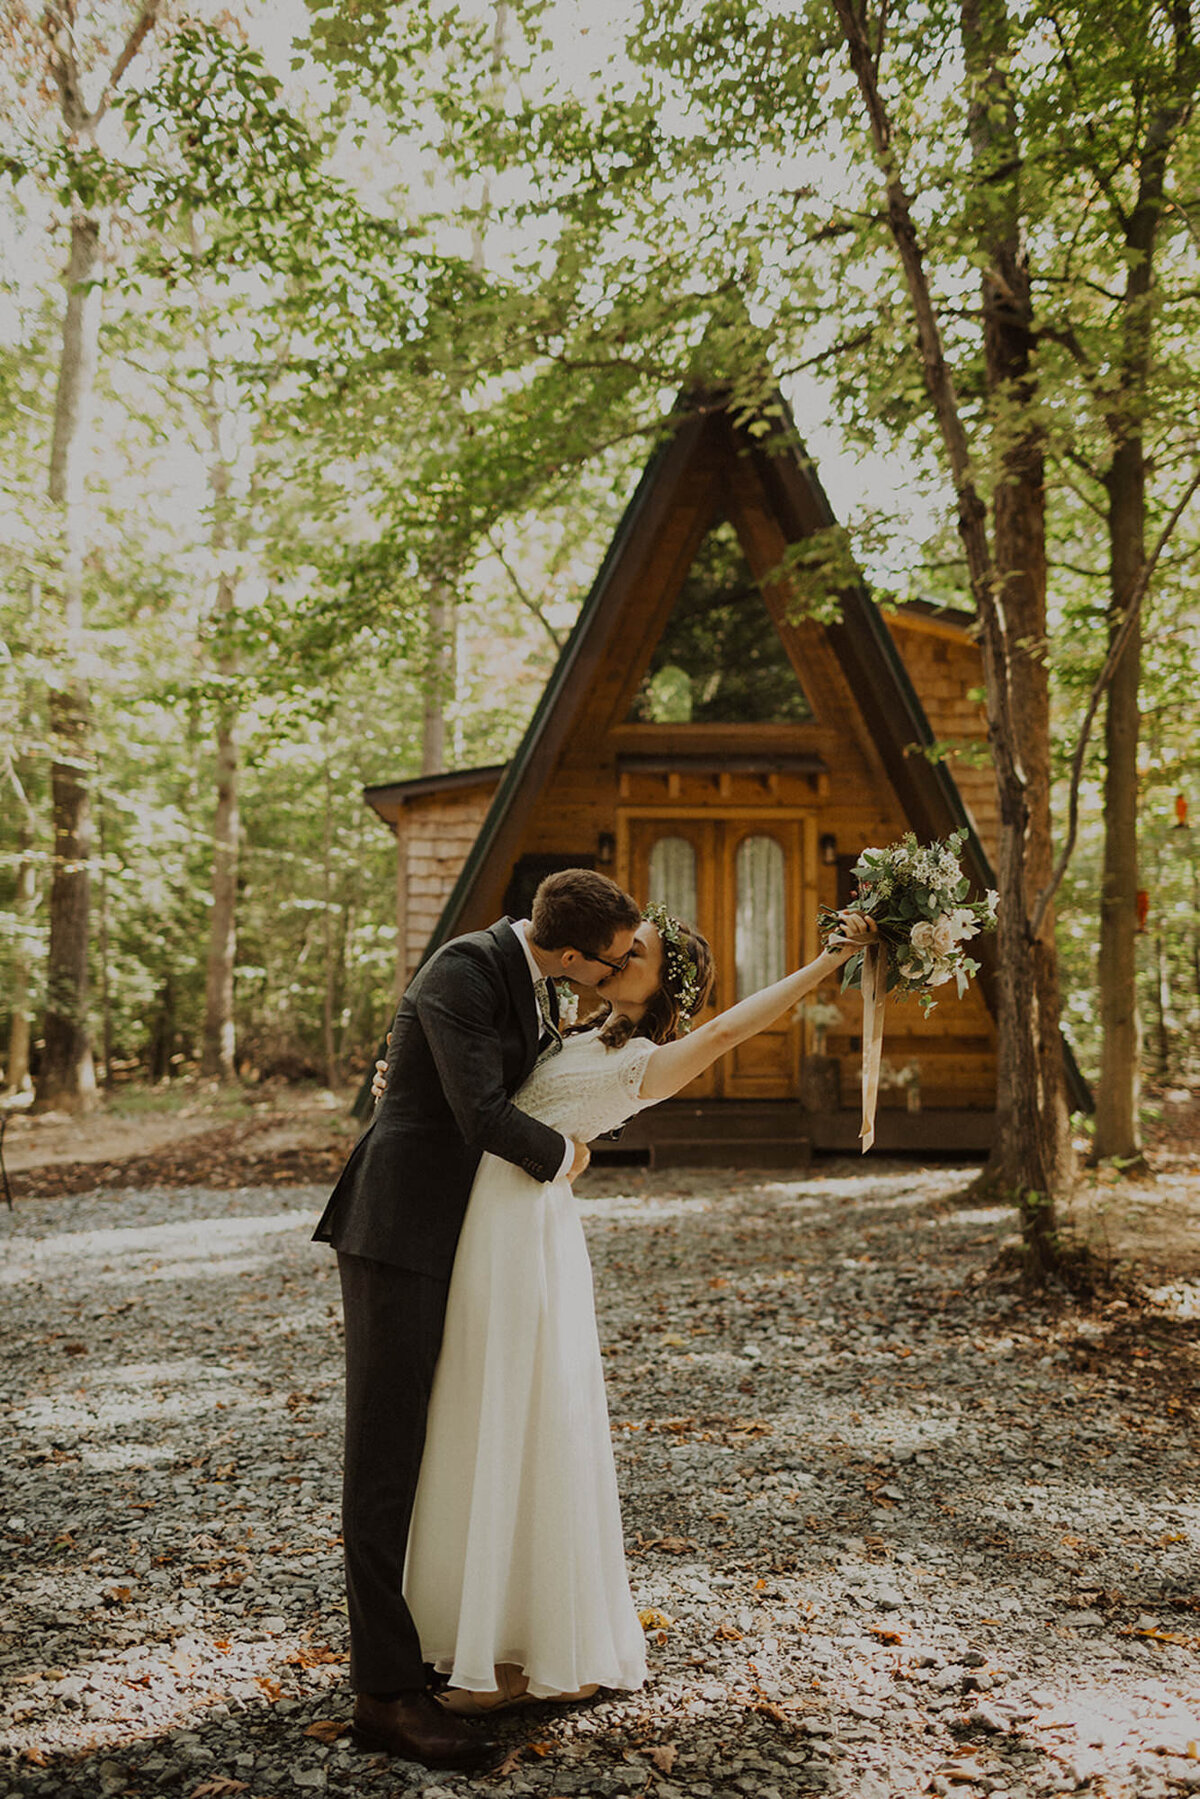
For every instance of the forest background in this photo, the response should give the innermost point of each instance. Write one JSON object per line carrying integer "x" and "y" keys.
{"x": 332, "y": 341}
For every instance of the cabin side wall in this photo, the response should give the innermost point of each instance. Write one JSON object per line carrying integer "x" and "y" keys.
{"x": 946, "y": 668}
{"x": 434, "y": 834}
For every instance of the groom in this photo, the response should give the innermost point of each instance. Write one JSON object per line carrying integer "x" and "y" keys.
{"x": 467, "y": 1034}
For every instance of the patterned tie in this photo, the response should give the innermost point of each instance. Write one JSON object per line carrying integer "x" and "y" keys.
{"x": 550, "y": 1041}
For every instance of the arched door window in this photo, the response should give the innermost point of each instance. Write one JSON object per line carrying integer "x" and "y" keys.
{"x": 761, "y": 922}
{"x": 673, "y": 877}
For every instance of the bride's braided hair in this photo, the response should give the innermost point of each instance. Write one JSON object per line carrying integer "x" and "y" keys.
{"x": 687, "y": 979}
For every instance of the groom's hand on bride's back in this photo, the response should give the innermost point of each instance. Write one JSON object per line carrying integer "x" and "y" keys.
{"x": 582, "y": 1157}
{"x": 379, "y": 1081}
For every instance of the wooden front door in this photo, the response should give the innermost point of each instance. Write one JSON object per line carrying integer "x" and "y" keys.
{"x": 747, "y": 881}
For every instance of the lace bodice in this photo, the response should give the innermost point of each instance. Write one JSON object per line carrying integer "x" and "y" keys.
{"x": 587, "y": 1088}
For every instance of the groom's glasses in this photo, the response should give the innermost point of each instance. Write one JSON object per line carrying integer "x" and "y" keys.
{"x": 617, "y": 967}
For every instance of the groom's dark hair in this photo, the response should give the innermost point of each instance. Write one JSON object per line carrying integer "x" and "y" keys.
{"x": 580, "y": 909}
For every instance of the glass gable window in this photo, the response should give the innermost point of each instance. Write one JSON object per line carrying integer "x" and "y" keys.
{"x": 720, "y": 659}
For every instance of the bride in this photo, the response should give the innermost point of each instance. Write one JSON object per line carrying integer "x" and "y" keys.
{"x": 515, "y": 1574}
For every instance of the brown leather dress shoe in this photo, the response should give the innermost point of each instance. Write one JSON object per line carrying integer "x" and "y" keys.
{"x": 415, "y": 1727}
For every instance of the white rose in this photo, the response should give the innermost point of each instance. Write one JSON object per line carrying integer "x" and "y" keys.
{"x": 922, "y": 936}
{"x": 944, "y": 935}
{"x": 939, "y": 974}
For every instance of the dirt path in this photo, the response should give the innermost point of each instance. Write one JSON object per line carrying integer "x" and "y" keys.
{"x": 893, "y": 1530}
{"x": 228, "y": 1140}
{"x": 1143, "y": 1228}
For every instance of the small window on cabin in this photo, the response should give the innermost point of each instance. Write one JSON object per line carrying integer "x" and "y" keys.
{"x": 720, "y": 660}
{"x": 672, "y": 879}
{"x": 760, "y": 935}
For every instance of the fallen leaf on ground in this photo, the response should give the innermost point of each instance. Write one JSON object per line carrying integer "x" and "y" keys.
{"x": 663, "y": 1756}
{"x": 270, "y": 1687}
{"x": 767, "y": 1708}
{"x": 327, "y": 1730}
{"x": 652, "y": 1620}
{"x": 1163, "y": 1636}
{"x": 213, "y": 1789}
{"x": 313, "y": 1658}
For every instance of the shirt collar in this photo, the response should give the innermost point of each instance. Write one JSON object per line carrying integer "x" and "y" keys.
{"x": 521, "y": 931}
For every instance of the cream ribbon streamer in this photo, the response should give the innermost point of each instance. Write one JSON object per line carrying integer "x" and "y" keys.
{"x": 874, "y": 992}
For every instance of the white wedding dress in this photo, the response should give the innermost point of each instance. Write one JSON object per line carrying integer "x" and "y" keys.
{"x": 516, "y": 1553}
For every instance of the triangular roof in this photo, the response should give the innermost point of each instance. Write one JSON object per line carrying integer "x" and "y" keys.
{"x": 784, "y": 479}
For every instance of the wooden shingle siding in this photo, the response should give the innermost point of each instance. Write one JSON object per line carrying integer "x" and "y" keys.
{"x": 434, "y": 839}
{"x": 946, "y": 668}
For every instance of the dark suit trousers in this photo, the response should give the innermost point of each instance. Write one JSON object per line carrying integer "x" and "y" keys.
{"x": 394, "y": 1323}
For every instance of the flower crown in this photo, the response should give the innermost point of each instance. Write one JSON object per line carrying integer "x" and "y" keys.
{"x": 682, "y": 973}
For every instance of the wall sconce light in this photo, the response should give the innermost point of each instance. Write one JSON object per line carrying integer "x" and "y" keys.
{"x": 828, "y": 848}
{"x": 606, "y": 849}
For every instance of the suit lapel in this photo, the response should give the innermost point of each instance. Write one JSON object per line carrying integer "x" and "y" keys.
{"x": 520, "y": 987}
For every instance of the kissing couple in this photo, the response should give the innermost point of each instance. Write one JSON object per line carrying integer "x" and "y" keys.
{"x": 481, "y": 1521}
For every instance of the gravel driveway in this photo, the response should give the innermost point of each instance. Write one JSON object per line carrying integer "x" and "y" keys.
{"x": 891, "y": 1529}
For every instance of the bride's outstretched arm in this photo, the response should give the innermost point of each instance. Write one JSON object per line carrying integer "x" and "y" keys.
{"x": 673, "y": 1065}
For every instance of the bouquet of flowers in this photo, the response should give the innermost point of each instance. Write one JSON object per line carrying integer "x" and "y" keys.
{"x": 917, "y": 896}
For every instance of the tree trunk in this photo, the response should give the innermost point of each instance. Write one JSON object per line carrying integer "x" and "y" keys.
{"x": 1161, "y": 990}
{"x": 1118, "y": 1130}
{"x": 161, "y": 1044}
{"x": 439, "y": 678}
{"x": 16, "y": 1067}
{"x": 344, "y": 986}
{"x": 1032, "y": 1160}
{"x": 218, "y": 1051}
{"x": 327, "y": 950}
{"x": 219, "y": 1044}
{"x": 105, "y": 993}
{"x": 66, "y": 1080}
{"x": 1032, "y": 1155}
{"x": 1031, "y": 1152}
{"x": 1117, "y": 1125}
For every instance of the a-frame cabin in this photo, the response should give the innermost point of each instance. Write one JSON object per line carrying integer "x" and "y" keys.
{"x": 708, "y": 752}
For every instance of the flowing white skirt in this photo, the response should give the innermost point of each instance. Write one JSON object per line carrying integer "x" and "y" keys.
{"x": 516, "y": 1551}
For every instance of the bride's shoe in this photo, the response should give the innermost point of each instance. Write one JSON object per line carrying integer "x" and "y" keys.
{"x": 512, "y": 1689}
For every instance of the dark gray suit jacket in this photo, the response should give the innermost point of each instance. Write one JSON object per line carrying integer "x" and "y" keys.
{"x": 464, "y": 1039}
